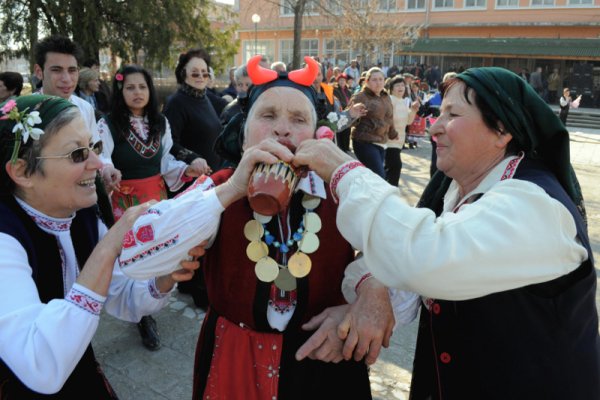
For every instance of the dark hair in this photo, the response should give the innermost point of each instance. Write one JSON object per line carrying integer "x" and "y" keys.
{"x": 490, "y": 119}
{"x": 12, "y": 81}
{"x": 56, "y": 44}
{"x": 119, "y": 112}
{"x": 396, "y": 80}
{"x": 90, "y": 62}
{"x": 184, "y": 58}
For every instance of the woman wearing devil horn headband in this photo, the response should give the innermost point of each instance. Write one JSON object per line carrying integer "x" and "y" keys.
{"x": 255, "y": 325}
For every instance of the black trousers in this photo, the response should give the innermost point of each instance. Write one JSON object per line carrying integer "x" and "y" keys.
{"x": 393, "y": 165}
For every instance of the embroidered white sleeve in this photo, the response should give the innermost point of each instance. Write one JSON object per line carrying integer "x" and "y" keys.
{"x": 172, "y": 170}
{"x": 162, "y": 237}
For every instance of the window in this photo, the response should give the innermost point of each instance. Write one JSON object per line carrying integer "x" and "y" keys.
{"x": 334, "y": 6}
{"x": 542, "y": 3}
{"x": 387, "y": 5}
{"x": 443, "y": 3}
{"x": 580, "y": 2}
{"x": 308, "y": 47}
{"x": 415, "y": 5}
{"x": 266, "y": 47}
{"x": 475, "y": 3}
{"x": 338, "y": 51}
{"x": 507, "y": 3}
{"x": 286, "y": 9}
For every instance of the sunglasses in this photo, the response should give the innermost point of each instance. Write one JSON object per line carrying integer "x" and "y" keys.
{"x": 205, "y": 75}
{"x": 80, "y": 154}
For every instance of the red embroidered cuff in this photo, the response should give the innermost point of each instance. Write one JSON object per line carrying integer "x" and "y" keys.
{"x": 186, "y": 179}
{"x": 84, "y": 301}
{"x": 339, "y": 173}
{"x": 362, "y": 280}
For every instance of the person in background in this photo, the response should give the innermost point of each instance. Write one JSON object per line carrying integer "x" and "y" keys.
{"x": 58, "y": 266}
{"x": 137, "y": 137}
{"x": 498, "y": 247}
{"x": 242, "y": 83}
{"x": 11, "y": 84}
{"x": 353, "y": 71}
{"x": 374, "y": 129}
{"x": 343, "y": 95}
{"x": 566, "y": 102}
{"x": 553, "y": 86}
{"x": 404, "y": 113}
{"x": 230, "y": 89}
{"x": 536, "y": 81}
{"x": 88, "y": 87}
{"x": 103, "y": 94}
{"x": 195, "y": 124}
{"x": 56, "y": 65}
{"x": 279, "y": 66}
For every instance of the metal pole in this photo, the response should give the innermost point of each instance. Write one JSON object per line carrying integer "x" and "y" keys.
{"x": 255, "y": 37}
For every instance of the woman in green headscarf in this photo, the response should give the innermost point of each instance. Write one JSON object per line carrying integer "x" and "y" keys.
{"x": 56, "y": 274}
{"x": 498, "y": 249}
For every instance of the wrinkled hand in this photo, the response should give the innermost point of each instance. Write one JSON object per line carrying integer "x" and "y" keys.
{"x": 358, "y": 110}
{"x": 321, "y": 156}
{"x": 111, "y": 177}
{"x": 114, "y": 236}
{"x": 268, "y": 151}
{"x": 369, "y": 324}
{"x": 186, "y": 272}
{"x": 324, "y": 344}
{"x": 199, "y": 166}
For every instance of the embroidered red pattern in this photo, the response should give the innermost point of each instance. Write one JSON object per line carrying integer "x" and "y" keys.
{"x": 84, "y": 301}
{"x": 129, "y": 240}
{"x": 511, "y": 168}
{"x": 145, "y": 234}
{"x": 362, "y": 280}
{"x": 151, "y": 251}
{"x": 339, "y": 174}
{"x": 205, "y": 181}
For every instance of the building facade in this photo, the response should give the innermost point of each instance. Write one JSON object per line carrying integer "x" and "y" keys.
{"x": 515, "y": 34}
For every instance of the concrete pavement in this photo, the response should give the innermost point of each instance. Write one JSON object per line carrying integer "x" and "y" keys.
{"x": 166, "y": 374}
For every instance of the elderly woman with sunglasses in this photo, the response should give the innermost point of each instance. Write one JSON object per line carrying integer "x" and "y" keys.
{"x": 57, "y": 268}
{"x": 194, "y": 121}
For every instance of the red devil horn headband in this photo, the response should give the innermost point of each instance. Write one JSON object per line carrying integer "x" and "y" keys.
{"x": 304, "y": 76}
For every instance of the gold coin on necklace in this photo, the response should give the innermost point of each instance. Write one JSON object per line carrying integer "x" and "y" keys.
{"x": 253, "y": 230}
{"x": 299, "y": 265}
{"x": 310, "y": 202}
{"x": 309, "y": 243}
{"x": 312, "y": 222}
{"x": 257, "y": 250}
{"x": 266, "y": 269}
{"x": 285, "y": 280}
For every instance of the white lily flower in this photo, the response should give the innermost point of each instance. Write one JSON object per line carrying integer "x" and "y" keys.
{"x": 17, "y": 127}
{"x": 36, "y": 133}
{"x": 332, "y": 117}
{"x": 25, "y": 135}
{"x": 33, "y": 118}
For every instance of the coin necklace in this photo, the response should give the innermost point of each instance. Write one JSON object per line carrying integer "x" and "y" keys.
{"x": 305, "y": 238}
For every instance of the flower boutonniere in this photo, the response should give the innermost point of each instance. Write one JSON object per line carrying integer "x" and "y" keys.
{"x": 24, "y": 125}
{"x": 119, "y": 78}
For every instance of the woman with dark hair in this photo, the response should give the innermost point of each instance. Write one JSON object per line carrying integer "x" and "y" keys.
{"x": 11, "y": 84}
{"x": 137, "y": 138}
{"x": 194, "y": 121}
{"x": 58, "y": 266}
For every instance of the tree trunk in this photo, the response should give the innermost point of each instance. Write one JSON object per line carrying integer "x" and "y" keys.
{"x": 86, "y": 27}
{"x": 298, "y": 13}
{"x": 32, "y": 31}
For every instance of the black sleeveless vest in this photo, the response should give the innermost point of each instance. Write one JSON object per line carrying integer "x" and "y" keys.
{"x": 86, "y": 380}
{"x": 536, "y": 342}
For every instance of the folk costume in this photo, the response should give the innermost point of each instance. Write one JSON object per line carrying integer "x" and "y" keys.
{"x": 253, "y": 327}
{"x": 143, "y": 159}
{"x": 506, "y": 272}
{"x": 40, "y": 300}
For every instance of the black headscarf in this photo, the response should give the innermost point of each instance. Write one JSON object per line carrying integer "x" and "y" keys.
{"x": 537, "y": 130}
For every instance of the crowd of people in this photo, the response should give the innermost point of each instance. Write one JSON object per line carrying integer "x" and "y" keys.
{"x": 110, "y": 202}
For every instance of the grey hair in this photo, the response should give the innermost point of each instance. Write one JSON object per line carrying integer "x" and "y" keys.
{"x": 240, "y": 72}
{"x": 313, "y": 116}
{"x": 30, "y": 154}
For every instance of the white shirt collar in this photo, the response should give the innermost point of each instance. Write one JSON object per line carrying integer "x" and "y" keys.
{"x": 452, "y": 199}
{"x": 312, "y": 184}
{"x": 48, "y": 224}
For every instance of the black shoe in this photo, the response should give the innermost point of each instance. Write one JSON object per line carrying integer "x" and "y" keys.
{"x": 149, "y": 333}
